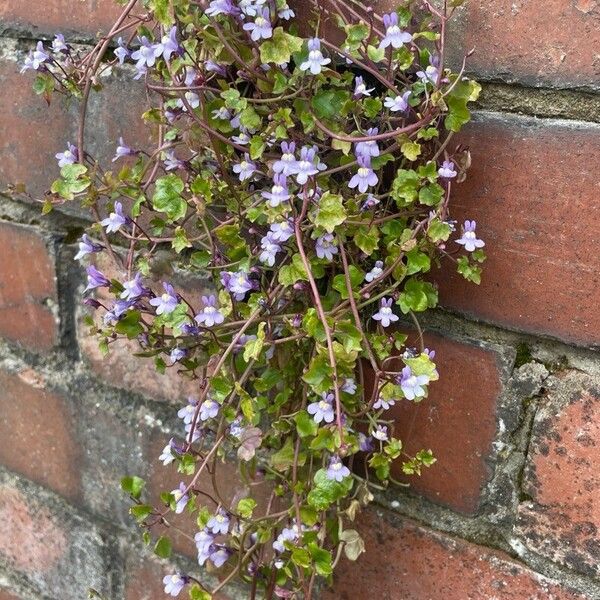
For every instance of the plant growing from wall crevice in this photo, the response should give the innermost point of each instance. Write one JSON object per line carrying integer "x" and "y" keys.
{"x": 312, "y": 180}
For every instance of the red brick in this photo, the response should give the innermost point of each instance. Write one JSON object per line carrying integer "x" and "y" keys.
{"x": 534, "y": 193}
{"x": 554, "y": 44}
{"x": 463, "y": 402}
{"x": 82, "y": 16}
{"x": 406, "y": 562}
{"x": 37, "y": 435}
{"x": 6, "y": 595}
{"x": 562, "y": 520}
{"x": 27, "y": 285}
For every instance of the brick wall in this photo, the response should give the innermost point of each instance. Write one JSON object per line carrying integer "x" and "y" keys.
{"x": 510, "y": 511}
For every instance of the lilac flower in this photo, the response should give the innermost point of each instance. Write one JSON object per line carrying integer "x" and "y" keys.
{"x": 122, "y": 51}
{"x": 243, "y": 139}
{"x": 237, "y": 284}
{"x": 279, "y": 192}
{"x": 95, "y": 279}
{"x": 122, "y": 150}
{"x": 222, "y": 7}
{"x": 173, "y": 584}
{"x": 236, "y": 429}
{"x": 212, "y": 67}
{"x": 326, "y": 246}
{"x": 288, "y": 534}
{"x": 469, "y": 238}
{"x": 140, "y": 70}
{"x": 315, "y": 60}
{"x": 397, "y": 104}
{"x": 177, "y": 354}
{"x": 87, "y": 246}
{"x": 171, "y": 162}
{"x": 322, "y": 410}
{"x": 383, "y": 403}
{"x": 204, "y": 540}
{"x": 165, "y": 303}
{"x": 219, "y": 557}
{"x": 251, "y": 7}
{"x": 270, "y": 248}
{"x": 380, "y": 433}
{"x": 219, "y": 523}
{"x": 115, "y": 219}
{"x": 370, "y": 202}
{"x": 147, "y": 53}
{"x": 261, "y": 28}
{"x": 287, "y": 164}
{"x": 210, "y": 314}
{"x": 209, "y": 409}
{"x": 245, "y": 168}
{"x": 370, "y": 148}
{"x": 349, "y": 386}
{"x": 447, "y": 170}
{"x": 394, "y": 36}
{"x": 337, "y": 470}
{"x": 197, "y": 432}
{"x": 170, "y": 45}
{"x": 119, "y": 308}
{"x": 365, "y": 443}
{"x": 385, "y": 315}
{"x": 360, "y": 88}
{"x": 365, "y": 177}
{"x": 58, "y": 43}
{"x": 133, "y": 288}
{"x": 282, "y": 232}
{"x": 286, "y": 13}
{"x": 412, "y": 385}
{"x": 308, "y": 165}
{"x": 191, "y": 98}
{"x": 375, "y": 272}
{"x": 188, "y": 411}
{"x": 68, "y": 157}
{"x": 430, "y": 75}
{"x": 36, "y": 58}
{"x": 181, "y": 498}
{"x": 167, "y": 456}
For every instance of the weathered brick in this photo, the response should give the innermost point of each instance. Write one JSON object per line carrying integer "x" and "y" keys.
{"x": 409, "y": 562}
{"x": 556, "y": 44}
{"x": 36, "y": 430}
{"x": 58, "y": 553}
{"x": 562, "y": 519}
{"x": 27, "y": 288}
{"x": 6, "y": 595}
{"x": 533, "y": 191}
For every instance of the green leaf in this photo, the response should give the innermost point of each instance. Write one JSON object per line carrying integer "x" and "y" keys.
{"x": 73, "y": 181}
{"x": 328, "y": 104}
{"x": 301, "y": 557}
{"x": 417, "y": 262}
{"x": 197, "y": 593}
{"x": 330, "y": 212}
{"x": 376, "y": 54}
{"x": 417, "y": 296}
{"x": 181, "y": 241}
{"x": 367, "y": 239}
{"x": 129, "y": 325}
{"x": 431, "y": 195}
{"x": 284, "y": 458}
{"x": 290, "y": 274}
{"x": 355, "y": 34}
{"x": 463, "y": 92}
{"x": 339, "y": 281}
{"x": 133, "y": 485}
{"x": 246, "y": 507}
{"x": 322, "y": 559}
{"x": 373, "y": 107}
{"x": 305, "y": 424}
{"x": 167, "y": 197}
{"x": 405, "y": 187}
{"x": 327, "y": 491}
{"x": 163, "y": 547}
{"x": 438, "y": 231}
{"x": 411, "y": 150}
{"x": 469, "y": 271}
{"x": 253, "y": 348}
{"x": 250, "y": 119}
{"x": 319, "y": 372}
{"x": 141, "y": 511}
{"x": 280, "y": 47}
{"x": 257, "y": 147}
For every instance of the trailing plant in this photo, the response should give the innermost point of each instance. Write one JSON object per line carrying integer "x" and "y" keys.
{"x": 310, "y": 174}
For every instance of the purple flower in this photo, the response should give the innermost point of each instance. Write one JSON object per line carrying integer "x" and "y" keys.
{"x": 397, "y": 104}
{"x": 122, "y": 51}
{"x": 447, "y": 170}
{"x": 36, "y": 58}
{"x": 173, "y": 584}
{"x": 133, "y": 288}
{"x": 122, "y": 150}
{"x": 147, "y": 53}
{"x": 209, "y": 409}
{"x": 245, "y": 168}
{"x": 68, "y": 157}
{"x": 282, "y": 232}
{"x": 375, "y": 272}
{"x": 170, "y": 45}
{"x": 365, "y": 177}
{"x": 430, "y": 75}
{"x": 412, "y": 385}
{"x": 237, "y": 284}
{"x": 177, "y": 354}
{"x": 165, "y": 303}
{"x": 115, "y": 219}
{"x": 326, "y": 246}
{"x": 385, "y": 315}
{"x": 190, "y": 76}
{"x": 172, "y": 162}
{"x": 394, "y": 36}
{"x": 279, "y": 192}
{"x": 315, "y": 60}
{"x": 365, "y": 443}
{"x": 243, "y": 139}
{"x": 370, "y": 202}
{"x": 349, "y": 386}
{"x": 58, "y": 43}
{"x": 288, "y": 534}
{"x": 222, "y": 7}
{"x": 380, "y": 433}
{"x": 287, "y": 163}
{"x": 212, "y": 67}
{"x": 204, "y": 540}
{"x": 181, "y": 498}
{"x": 188, "y": 411}
{"x": 286, "y": 13}
{"x": 261, "y": 28}
{"x": 469, "y": 238}
{"x": 360, "y": 88}
{"x": 322, "y": 410}
{"x": 87, "y": 246}
{"x": 219, "y": 523}
{"x": 370, "y": 148}
{"x": 308, "y": 165}
{"x": 197, "y": 431}
{"x": 95, "y": 279}
{"x": 210, "y": 315}
{"x": 191, "y": 98}
{"x": 167, "y": 456}
{"x": 270, "y": 248}
{"x": 251, "y": 7}
{"x": 337, "y": 470}
{"x": 219, "y": 557}
{"x": 140, "y": 70}
{"x": 382, "y": 403}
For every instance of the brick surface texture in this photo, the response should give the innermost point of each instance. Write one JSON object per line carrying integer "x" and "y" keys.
{"x": 510, "y": 511}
